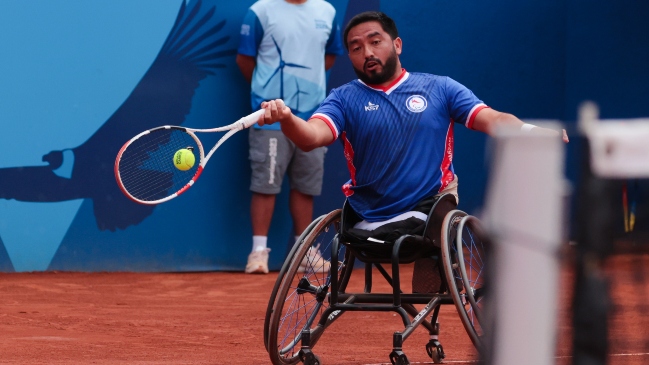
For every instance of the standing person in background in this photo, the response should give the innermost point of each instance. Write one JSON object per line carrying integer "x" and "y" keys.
{"x": 285, "y": 48}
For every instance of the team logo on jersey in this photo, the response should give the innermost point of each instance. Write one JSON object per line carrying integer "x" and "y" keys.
{"x": 321, "y": 24}
{"x": 416, "y": 103}
{"x": 371, "y": 107}
{"x": 245, "y": 29}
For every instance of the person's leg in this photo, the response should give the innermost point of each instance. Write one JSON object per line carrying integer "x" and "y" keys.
{"x": 306, "y": 172}
{"x": 261, "y": 213}
{"x": 268, "y": 163}
{"x": 426, "y": 276}
{"x": 301, "y": 207}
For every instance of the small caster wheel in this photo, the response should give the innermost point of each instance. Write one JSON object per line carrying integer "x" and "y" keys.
{"x": 398, "y": 358}
{"x": 435, "y": 351}
{"x": 309, "y": 358}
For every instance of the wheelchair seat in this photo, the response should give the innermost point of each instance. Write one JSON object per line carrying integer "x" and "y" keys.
{"x": 423, "y": 241}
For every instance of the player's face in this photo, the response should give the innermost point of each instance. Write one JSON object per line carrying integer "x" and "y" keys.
{"x": 374, "y": 55}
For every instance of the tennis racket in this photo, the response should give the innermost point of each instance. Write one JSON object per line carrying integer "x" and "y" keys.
{"x": 144, "y": 167}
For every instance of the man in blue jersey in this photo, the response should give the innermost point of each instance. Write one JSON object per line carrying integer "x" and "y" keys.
{"x": 285, "y": 48}
{"x": 396, "y": 126}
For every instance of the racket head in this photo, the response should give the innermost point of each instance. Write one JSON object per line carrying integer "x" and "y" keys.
{"x": 144, "y": 167}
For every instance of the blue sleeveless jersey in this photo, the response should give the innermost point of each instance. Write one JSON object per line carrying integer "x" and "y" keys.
{"x": 398, "y": 140}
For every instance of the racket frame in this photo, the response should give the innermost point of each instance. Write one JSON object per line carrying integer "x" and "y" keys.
{"x": 231, "y": 129}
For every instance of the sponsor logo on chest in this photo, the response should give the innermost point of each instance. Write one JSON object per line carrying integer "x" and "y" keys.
{"x": 371, "y": 107}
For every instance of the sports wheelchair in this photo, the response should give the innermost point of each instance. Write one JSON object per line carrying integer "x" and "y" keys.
{"x": 310, "y": 295}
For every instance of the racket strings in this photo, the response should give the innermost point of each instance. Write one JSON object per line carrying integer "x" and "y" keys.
{"x": 146, "y": 167}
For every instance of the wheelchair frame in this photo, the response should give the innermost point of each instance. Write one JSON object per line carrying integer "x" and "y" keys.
{"x": 332, "y": 288}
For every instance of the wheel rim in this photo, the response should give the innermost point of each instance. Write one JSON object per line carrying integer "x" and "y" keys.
{"x": 453, "y": 270}
{"x": 306, "y": 294}
{"x": 470, "y": 250}
{"x": 281, "y": 275}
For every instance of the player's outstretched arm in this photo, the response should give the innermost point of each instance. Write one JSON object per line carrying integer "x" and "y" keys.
{"x": 488, "y": 120}
{"x": 306, "y": 135}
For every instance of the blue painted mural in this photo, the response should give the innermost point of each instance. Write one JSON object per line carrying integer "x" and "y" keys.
{"x": 60, "y": 208}
{"x": 163, "y": 96}
{"x": 81, "y": 78}
{"x": 83, "y": 175}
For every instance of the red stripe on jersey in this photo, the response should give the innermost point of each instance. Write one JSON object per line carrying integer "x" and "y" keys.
{"x": 349, "y": 156}
{"x": 447, "y": 161}
{"x": 473, "y": 115}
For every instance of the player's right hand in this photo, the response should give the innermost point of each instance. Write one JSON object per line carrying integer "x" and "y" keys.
{"x": 276, "y": 111}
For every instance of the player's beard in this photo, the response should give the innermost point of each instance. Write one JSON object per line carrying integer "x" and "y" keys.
{"x": 379, "y": 77}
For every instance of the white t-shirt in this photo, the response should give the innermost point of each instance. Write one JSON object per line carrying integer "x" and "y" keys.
{"x": 289, "y": 42}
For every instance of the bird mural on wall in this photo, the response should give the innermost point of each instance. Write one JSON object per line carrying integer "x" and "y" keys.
{"x": 192, "y": 51}
{"x": 280, "y": 69}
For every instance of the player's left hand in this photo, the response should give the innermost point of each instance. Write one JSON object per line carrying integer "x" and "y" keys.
{"x": 564, "y": 136}
{"x": 551, "y": 132}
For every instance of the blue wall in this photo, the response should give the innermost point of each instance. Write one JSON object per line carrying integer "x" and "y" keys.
{"x": 607, "y": 57}
{"x": 74, "y": 70}
{"x": 511, "y": 54}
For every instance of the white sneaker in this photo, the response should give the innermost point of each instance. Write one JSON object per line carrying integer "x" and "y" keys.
{"x": 258, "y": 262}
{"x": 314, "y": 262}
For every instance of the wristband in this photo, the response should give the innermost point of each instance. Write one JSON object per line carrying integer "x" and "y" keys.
{"x": 526, "y": 128}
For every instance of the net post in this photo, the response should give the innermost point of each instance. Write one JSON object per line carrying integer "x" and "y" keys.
{"x": 591, "y": 300}
{"x": 613, "y": 150}
{"x": 523, "y": 215}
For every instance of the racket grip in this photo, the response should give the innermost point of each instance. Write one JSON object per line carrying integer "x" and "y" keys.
{"x": 251, "y": 119}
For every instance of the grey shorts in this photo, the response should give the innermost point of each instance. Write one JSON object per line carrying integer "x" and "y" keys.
{"x": 272, "y": 155}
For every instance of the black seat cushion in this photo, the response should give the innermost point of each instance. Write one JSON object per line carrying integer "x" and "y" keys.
{"x": 376, "y": 245}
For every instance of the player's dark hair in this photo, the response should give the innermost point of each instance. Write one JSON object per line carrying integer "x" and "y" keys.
{"x": 386, "y": 22}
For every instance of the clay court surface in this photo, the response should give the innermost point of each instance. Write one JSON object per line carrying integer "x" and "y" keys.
{"x": 217, "y": 318}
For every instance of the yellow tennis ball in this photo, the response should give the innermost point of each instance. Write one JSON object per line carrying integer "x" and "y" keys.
{"x": 184, "y": 159}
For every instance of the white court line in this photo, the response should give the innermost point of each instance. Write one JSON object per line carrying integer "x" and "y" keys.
{"x": 638, "y": 354}
{"x": 617, "y": 355}
{"x": 445, "y": 362}
{"x": 476, "y": 361}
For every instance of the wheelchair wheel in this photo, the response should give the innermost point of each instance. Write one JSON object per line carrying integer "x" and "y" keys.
{"x": 470, "y": 248}
{"x": 281, "y": 275}
{"x": 463, "y": 255}
{"x": 303, "y": 292}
